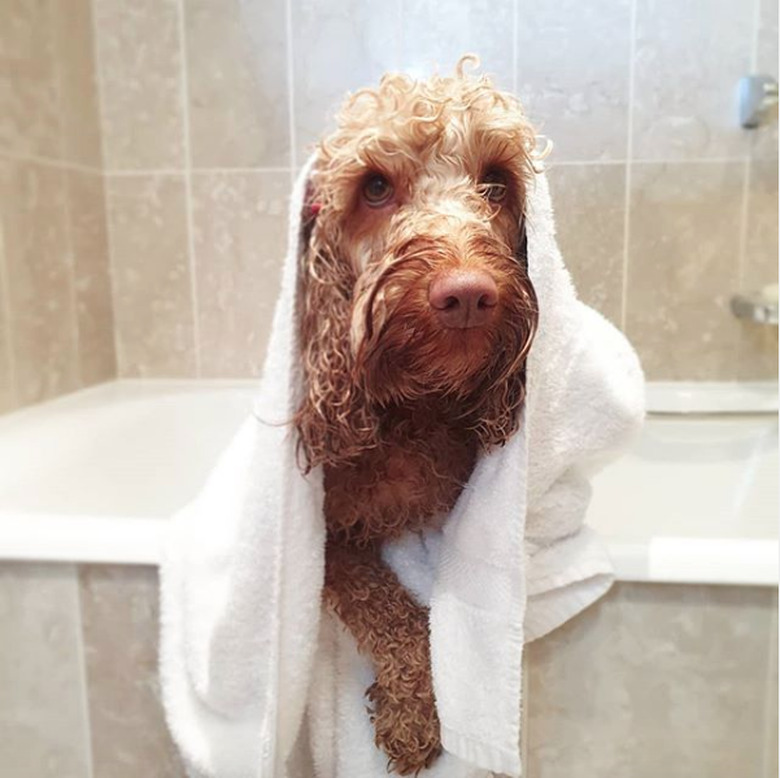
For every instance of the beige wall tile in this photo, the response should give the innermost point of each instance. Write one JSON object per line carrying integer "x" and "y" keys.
{"x": 240, "y": 226}
{"x": 7, "y": 395}
{"x": 120, "y": 615}
{"x": 689, "y": 56}
{"x": 338, "y": 45}
{"x": 653, "y": 680}
{"x": 757, "y": 358}
{"x": 758, "y": 344}
{"x": 43, "y": 723}
{"x": 7, "y": 383}
{"x": 91, "y": 275}
{"x": 761, "y": 245}
{"x": 48, "y": 96}
{"x": 39, "y": 276}
{"x": 140, "y": 63}
{"x": 573, "y": 72}
{"x": 770, "y": 754}
{"x": 151, "y": 276}
{"x": 766, "y": 51}
{"x": 440, "y": 32}
{"x": 48, "y": 110}
{"x": 29, "y": 107}
{"x": 77, "y": 81}
{"x": 238, "y": 101}
{"x": 684, "y": 237}
{"x": 590, "y": 204}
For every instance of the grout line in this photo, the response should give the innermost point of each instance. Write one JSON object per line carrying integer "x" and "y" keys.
{"x": 82, "y": 656}
{"x": 694, "y": 161}
{"x": 139, "y": 172}
{"x": 74, "y": 303}
{"x": 743, "y": 226}
{"x": 188, "y": 185}
{"x": 585, "y": 162}
{"x": 629, "y": 162}
{"x": 9, "y": 327}
{"x": 112, "y": 279}
{"x": 662, "y": 161}
{"x": 401, "y": 51}
{"x": 290, "y": 87}
{"x": 60, "y": 164}
{"x": 769, "y": 703}
{"x": 221, "y": 170}
{"x": 100, "y": 84}
{"x": 746, "y": 173}
{"x": 128, "y": 173}
{"x": 67, "y": 200}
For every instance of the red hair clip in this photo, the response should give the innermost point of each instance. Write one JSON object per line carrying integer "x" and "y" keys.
{"x": 315, "y": 208}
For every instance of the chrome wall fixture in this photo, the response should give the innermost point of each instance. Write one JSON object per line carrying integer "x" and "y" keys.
{"x": 759, "y": 307}
{"x": 757, "y": 97}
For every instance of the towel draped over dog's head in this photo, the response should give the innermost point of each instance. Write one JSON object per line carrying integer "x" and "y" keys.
{"x": 245, "y": 649}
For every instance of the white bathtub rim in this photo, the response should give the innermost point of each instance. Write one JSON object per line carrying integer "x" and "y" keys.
{"x": 127, "y": 540}
{"x": 121, "y": 539}
{"x": 662, "y": 397}
{"x": 705, "y": 397}
{"x": 124, "y": 389}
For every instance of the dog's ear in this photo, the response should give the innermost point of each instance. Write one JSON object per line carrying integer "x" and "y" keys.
{"x": 333, "y": 421}
{"x": 308, "y": 214}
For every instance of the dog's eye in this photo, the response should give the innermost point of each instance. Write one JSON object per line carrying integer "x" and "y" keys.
{"x": 377, "y": 190}
{"x": 494, "y": 185}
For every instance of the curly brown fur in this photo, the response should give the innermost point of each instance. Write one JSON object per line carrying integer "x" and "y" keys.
{"x": 398, "y": 404}
{"x": 393, "y": 629}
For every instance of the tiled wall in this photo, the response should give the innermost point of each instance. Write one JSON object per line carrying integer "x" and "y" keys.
{"x": 657, "y": 680}
{"x": 56, "y": 330}
{"x": 198, "y": 170}
{"x": 653, "y": 680}
{"x": 204, "y": 109}
{"x": 665, "y": 206}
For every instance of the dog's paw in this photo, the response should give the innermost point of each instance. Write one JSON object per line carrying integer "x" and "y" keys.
{"x": 406, "y": 723}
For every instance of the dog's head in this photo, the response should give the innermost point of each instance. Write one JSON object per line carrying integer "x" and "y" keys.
{"x": 414, "y": 280}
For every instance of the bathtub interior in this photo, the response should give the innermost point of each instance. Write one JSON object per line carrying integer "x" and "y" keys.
{"x": 121, "y": 450}
{"x": 143, "y": 449}
{"x": 703, "y": 476}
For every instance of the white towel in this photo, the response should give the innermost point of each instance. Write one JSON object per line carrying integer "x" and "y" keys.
{"x": 246, "y": 651}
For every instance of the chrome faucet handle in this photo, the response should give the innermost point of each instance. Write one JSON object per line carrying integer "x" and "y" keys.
{"x": 757, "y": 94}
{"x": 759, "y": 307}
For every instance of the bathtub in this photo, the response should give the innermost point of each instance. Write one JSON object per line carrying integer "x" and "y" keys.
{"x": 93, "y": 477}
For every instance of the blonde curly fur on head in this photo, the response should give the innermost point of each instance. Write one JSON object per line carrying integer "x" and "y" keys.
{"x": 458, "y": 155}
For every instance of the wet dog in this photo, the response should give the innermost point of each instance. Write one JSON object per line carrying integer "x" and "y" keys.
{"x": 417, "y": 314}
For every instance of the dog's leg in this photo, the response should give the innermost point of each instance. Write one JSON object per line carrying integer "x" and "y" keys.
{"x": 392, "y": 629}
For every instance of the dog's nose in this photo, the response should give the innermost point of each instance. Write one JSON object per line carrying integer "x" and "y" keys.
{"x": 463, "y": 298}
